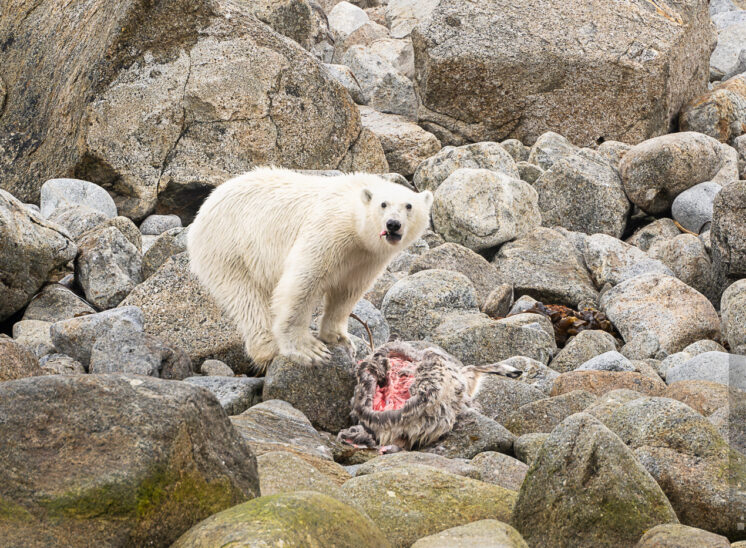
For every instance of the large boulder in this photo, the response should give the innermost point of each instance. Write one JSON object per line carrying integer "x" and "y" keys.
{"x": 113, "y": 478}
{"x": 728, "y": 233}
{"x": 305, "y": 518}
{"x": 663, "y": 307}
{"x": 495, "y": 69}
{"x": 656, "y": 171}
{"x": 480, "y": 209}
{"x": 180, "y": 311}
{"x": 733, "y": 309}
{"x": 583, "y": 193}
{"x": 585, "y": 488}
{"x": 166, "y": 97}
{"x": 30, "y": 249}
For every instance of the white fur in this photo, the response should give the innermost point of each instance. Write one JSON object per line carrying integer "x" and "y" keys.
{"x": 270, "y": 244}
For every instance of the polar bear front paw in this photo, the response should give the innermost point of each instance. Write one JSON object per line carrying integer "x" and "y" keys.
{"x": 336, "y": 337}
{"x": 309, "y": 352}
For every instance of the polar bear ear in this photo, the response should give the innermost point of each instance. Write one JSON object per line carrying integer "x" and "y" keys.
{"x": 366, "y": 195}
{"x": 428, "y": 197}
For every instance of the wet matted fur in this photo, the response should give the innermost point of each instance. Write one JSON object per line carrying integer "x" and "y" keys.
{"x": 441, "y": 391}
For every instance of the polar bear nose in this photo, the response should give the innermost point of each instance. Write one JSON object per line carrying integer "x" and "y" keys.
{"x": 392, "y": 225}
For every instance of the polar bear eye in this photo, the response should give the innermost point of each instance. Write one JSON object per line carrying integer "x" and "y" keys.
{"x": 409, "y": 206}
{"x": 383, "y": 205}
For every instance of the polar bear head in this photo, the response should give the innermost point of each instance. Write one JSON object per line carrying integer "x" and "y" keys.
{"x": 394, "y": 216}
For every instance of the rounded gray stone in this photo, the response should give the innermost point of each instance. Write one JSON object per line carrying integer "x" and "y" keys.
{"x": 693, "y": 207}
{"x": 57, "y": 193}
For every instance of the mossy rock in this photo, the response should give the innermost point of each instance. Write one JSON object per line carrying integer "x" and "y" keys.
{"x": 586, "y": 489}
{"x": 115, "y": 460}
{"x": 414, "y": 501}
{"x": 302, "y": 519}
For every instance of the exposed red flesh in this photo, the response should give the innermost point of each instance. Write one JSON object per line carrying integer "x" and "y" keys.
{"x": 395, "y": 392}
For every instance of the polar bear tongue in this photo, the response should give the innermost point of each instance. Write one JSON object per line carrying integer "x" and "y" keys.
{"x": 383, "y": 233}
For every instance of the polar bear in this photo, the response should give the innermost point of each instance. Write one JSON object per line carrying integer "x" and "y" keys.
{"x": 270, "y": 244}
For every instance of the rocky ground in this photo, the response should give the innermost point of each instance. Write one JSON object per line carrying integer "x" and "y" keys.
{"x": 585, "y": 154}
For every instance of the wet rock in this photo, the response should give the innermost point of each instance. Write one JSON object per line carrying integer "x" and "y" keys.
{"x": 406, "y": 144}
{"x": 60, "y": 193}
{"x": 108, "y": 267}
{"x": 583, "y": 193}
{"x": 681, "y": 536}
{"x": 485, "y": 532}
{"x": 733, "y": 309}
{"x": 34, "y": 335}
{"x": 460, "y": 467}
{"x": 486, "y": 155}
{"x": 425, "y": 501}
{"x": 30, "y": 249}
{"x": 156, "y": 225}
{"x": 586, "y": 488}
{"x": 469, "y": 83}
{"x": 16, "y": 361}
{"x": 275, "y": 425}
{"x": 545, "y": 266}
{"x": 527, "y": 446}
{"x": 76, "y": 336}
{"x": 581, "y": 348}
{"x": 287, "y": 519}
{"x": 457, "y": 258}
{"x": 719, "y": 112}
{"x": 322, "y": 393}
{"x": 417, "y": 304}
{"x": 608, "y": 361}
{"x": 661, "y": 229}
{"x": 545, "y": 414}
{"x": 656, "y": 171}
{"x": 600, "y": 382}
{"x": 473, "y": 434}
{"x": 728, "y": 233}
{"x": 481, "y": 209}
{"x": 168, "y": 300}
{"x": 60, "y": 364}
{"x": 611, "y": 261}
{"x": 720, "y": 367}
{"x": 662, "y": 306}
{"x": 146, "y": 475}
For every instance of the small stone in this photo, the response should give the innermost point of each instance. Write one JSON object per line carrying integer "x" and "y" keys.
{"x": 549, "y": 148}
{"x": 661, "y": 229}
{"x": 76, "y": 336}
{"x": 60, "y": 364}
{"x": 535, "y": 373}
{"x": 472, "y": 434}
{"x": 529, "y": 172}
{"x": 77, "y": 219}
{"x": 611, "y": 261}
{"x": 344, "y": 76}
{"x": 613, "y": 151}
{"x": 235, "y": 394}
{"x": 719, "y": 112}
{"x": 728, "y": 233}
{"x": 138, "y": 353}
{"x": 59, "y": 193}
{"x": 673, "y": 535}
{"x": 166, "y": 245}
{"x": 498, "y": 301}
{"x": 600, "y": 382}
{"x": 500, "y": 469}
{"x": 581, "y": 348}
{"x": 377, "y": 324}
{"x": 16, "y": 361}
{"x": 344, "y": 18}
{"x": 34, "y": 335}
{"x": 608, "y": 361}
{"x": 687, "y": 257}
{"x": 498, "y": 397}
{"x": 216, "y": 368}
{"x": 155, "y": 225}
{"x": 693, "y": 207}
